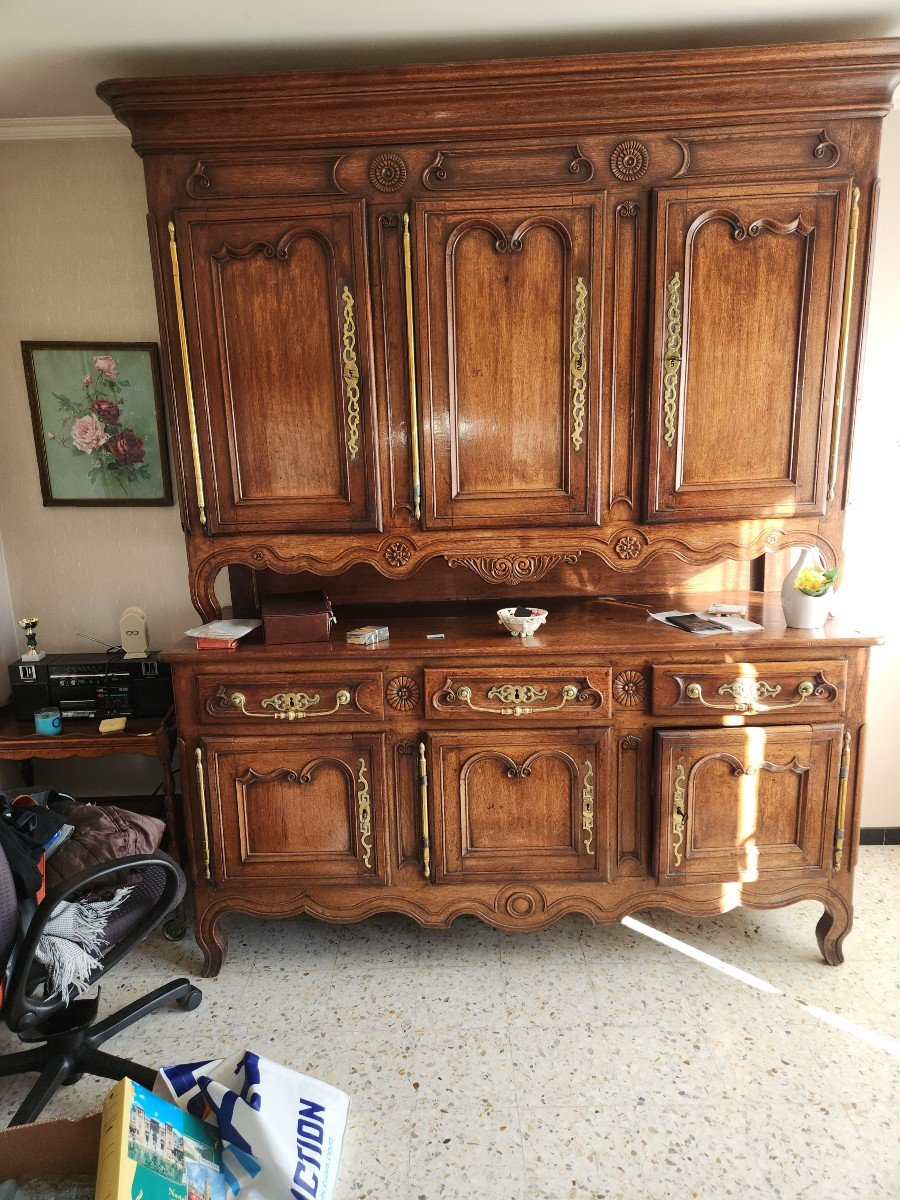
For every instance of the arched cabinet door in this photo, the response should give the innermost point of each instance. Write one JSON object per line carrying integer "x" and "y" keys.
{"x": 519, "y": 805}
{"x": 276, "y": 306}
{"x": 747, "y": 306}
{"x": 508, "y": 324}
{"x": 310, "y": 809}
{"x": 746, "y": 804}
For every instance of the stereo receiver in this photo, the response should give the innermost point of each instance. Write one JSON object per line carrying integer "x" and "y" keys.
{"x": 92, "y": 686}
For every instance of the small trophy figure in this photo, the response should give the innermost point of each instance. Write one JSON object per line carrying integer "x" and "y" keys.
{"x": 32, "y": 654}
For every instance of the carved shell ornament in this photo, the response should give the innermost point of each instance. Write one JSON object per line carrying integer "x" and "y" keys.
{"x": 387, "y": 172}
{"x": 629, "y": 160}
{"x": 402, "y": 693}
{"x": 628, "y": 688}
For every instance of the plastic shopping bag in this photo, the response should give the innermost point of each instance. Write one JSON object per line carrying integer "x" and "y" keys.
{"x": 281, "y": 1131}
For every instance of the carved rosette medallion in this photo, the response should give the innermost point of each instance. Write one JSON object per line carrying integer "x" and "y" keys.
{"x": 627, "y": 547}
{"x": 628, "y": 688}
{"x": 629, "y": 160}
{"x": 402, "y": 693}
{"x": 387, "y": 172}
{"x": 398, "y": 553}
{"x": 513, "y": 568}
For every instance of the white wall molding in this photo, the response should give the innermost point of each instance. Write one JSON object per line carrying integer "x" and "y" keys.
{"x": 24, "y": 129}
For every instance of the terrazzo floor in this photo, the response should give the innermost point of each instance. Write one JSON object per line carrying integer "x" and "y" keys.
{"x": 578, "y": 1062}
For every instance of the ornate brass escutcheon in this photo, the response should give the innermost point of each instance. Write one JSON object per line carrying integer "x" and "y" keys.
{"x": 587, "y": 807}
{"x": 579, "y": 363}
{"x": 679, "y": 815}
{"x": 364, "y": 810}
{"x": 350, "y": 371}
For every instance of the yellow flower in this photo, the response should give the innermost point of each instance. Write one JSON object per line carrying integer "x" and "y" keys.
{"x": 810, "y": 579}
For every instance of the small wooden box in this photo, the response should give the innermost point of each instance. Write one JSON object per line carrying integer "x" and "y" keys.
{"x": 302, "y": 617}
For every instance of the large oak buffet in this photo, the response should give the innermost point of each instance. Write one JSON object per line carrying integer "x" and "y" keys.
{"x": 566, "y": 328}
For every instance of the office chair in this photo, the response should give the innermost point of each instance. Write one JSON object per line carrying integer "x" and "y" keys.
{"x": 64, "y": 1041}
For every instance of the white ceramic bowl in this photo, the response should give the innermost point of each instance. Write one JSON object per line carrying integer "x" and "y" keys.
{"x": 522, "y": 626}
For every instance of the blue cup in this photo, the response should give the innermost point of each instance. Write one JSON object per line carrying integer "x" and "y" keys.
{"x": 48, "y": 720}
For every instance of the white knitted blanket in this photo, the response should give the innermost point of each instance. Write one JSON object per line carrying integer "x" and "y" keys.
{"x": 71, "y": 942}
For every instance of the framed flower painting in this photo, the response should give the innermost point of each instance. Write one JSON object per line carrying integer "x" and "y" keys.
{"x": 99, "y": 429}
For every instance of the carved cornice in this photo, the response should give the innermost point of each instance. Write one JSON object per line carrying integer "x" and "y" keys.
{"x": 630, "y": 91}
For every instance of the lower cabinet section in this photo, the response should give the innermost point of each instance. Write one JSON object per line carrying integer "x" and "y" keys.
{"x": 521, "y": 806}
{"x": 746, "y": 803}
{"x": 310, "y": 809}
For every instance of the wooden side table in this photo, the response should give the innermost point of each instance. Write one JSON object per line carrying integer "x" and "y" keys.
{"x": 151, "y": 737}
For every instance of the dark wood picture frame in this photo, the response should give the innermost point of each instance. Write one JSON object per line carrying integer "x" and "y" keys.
{"x": 98, "y": 348}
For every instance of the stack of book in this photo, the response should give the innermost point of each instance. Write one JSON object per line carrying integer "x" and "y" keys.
{"x": 221, "y": 635}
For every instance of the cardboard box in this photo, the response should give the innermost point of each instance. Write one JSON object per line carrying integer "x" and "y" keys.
{"x": 50, "y": 1149}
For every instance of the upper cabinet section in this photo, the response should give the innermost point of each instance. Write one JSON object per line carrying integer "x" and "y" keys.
{"x": 508, "y": 304}
{"x": 745, "y": 336}
{"x": 593, "y": 313}
{"x": 276, "y": 309}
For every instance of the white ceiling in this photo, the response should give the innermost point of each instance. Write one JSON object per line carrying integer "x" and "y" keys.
{"x": 54, "y": 52}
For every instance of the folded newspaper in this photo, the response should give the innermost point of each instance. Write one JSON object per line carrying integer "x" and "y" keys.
{"x": 281, "y": 1131}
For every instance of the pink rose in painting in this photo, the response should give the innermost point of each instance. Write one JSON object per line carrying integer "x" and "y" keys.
{"x": 86, "y": 382}
{"x": 107, "y": 365}
{"x": 106, "y": 410}
{"x": 127, "y": 447}
{"x": 88, "y": 434}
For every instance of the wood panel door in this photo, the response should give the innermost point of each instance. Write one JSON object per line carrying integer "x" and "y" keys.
{"x": 746, "y": 803}
{"x": 310, "y": 808}
{"x": 747, "y": 313}
{"x": 509, "y": 306}
{"x": 277, "y": 311}
{"x": 524, "y": 805}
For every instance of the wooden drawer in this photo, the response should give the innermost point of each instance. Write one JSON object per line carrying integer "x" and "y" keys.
{"x": 519, "y": 695}
{"x": 315, "y": 697}
{"x": 708, "y": 689}
{"x": 749, "y": 803}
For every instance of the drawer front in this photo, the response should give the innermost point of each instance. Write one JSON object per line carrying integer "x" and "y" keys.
{"x": 747, "y": 803}
{"x": 311, "y": 809}
{"x": 519, "y": 696}
{"x": 307, "y": 697}
{"x": 519, "y": 806}
{"x": 711, "y": 689}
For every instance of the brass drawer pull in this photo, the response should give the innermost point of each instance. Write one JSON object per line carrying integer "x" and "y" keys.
{"x": 423, "y": 801}
{"x": 350, "y": 371}
{"x": 747, "y": 695}
{"x": 587, "y": 807}
{"x": 579, "y": 362}
{"x": 517, "y": 699}
{"x": 186, "y": 368}
{"x": 672, "y": 359}
{"x": 201, "y": 795}
{"x": 411, "y": 367}
{"x": 289, "y": 706}
{"x": 679, "y": 814}
{"x": 364, "y": 811}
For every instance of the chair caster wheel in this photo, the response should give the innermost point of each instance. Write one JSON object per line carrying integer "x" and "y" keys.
{"x": 191, "y": 999}
{"x": 174, "y": 929}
